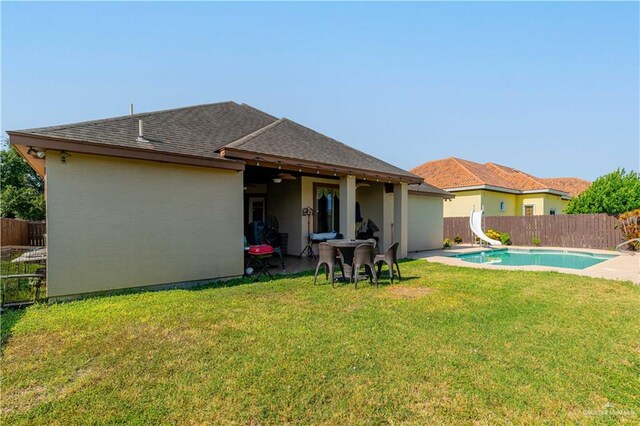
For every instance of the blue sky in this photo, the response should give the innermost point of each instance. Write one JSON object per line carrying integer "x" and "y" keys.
{"x": 550, "y": 88}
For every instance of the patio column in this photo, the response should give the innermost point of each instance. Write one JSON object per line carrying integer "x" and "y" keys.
{"x": 348, "y": 206}
{"x": 401, "y": 217}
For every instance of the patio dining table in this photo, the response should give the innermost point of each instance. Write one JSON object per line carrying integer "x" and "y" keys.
{"x": 347, "y": 249}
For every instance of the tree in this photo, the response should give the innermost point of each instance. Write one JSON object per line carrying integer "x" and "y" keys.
{"x": 615, "y": 193}
{"x": 21, "y": 188}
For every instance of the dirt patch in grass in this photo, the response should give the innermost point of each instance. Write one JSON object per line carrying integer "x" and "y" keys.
{"x": 402, "y": 292}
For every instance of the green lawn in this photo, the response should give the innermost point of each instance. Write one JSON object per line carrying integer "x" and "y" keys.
{"x": 446, "y": 345}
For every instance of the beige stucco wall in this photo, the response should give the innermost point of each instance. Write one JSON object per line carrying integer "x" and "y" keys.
{"x": 463, "y": 203}
{"x": 543, "y": 203}
{"x": 284, "y": 201}
{"x": 553, "y": 202}
{"x": 535, "y": 200}
{"x": 387, "y": 234}
{"x": 371, "y": 199}
{"x": 116, "y": 223}
{"x": 491, "y": 203}
{"x": 425, "y": 222}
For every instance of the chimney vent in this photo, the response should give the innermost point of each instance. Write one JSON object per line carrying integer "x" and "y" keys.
{"x": 131, "y": 109}
{"x": 141, "y": 137}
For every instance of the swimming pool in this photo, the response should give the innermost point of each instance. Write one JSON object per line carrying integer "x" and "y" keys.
{"x": 521, "y": 257}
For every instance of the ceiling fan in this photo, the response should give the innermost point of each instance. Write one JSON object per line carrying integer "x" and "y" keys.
{"x": 283, "y": 176}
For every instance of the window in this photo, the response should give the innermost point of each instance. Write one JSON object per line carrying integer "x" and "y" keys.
{"x": 327, "y": 207}
{"x": 527, "y": 210}
{"x": 552, "y": 212}
{"x": 502, "y": 206}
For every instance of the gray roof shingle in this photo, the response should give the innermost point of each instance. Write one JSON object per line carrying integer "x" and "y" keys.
{"x": 426, "y": 189}
{"x": 286, "y": 138}
{"x": 203, "y": 130}
{"x": 196, "y": 131}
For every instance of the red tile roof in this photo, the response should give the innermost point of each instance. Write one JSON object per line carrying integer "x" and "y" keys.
{"x": 452, "y": 173}
{"x": 573, "y": 186}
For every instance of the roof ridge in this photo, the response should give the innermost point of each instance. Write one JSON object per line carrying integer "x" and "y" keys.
{"x": 567, "y": 177}
{"x": 347, "y": 146}
{"x": 535, "y": 179}
{"x": 123, "y": 117}
{"x": 246, "y": 138}
{"x": 460, "y": 161}
{"x": 258, "y": 110}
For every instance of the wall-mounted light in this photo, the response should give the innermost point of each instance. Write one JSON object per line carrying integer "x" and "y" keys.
{"x": 63, "y": 156}
{"x": 277, "y": 180}
{"x": 36, "y": 152}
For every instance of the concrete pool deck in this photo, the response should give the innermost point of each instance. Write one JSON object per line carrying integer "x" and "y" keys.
{"x": 625, "y": 267}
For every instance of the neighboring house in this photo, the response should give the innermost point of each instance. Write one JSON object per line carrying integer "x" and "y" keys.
{"x": 500, "y": 190}
{"x": 164, "y": 197}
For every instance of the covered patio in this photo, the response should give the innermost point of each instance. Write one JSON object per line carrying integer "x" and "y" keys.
{"x": 314, "y": 184}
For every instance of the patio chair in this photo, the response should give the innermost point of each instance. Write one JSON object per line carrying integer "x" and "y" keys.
{"x": 390, "y": 257}
{"x": 327, "y": 257}
{"x": 374, "y": 242}
{"x": 364, "y": 256}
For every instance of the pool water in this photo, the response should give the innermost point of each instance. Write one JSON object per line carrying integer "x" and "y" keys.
{"x": 514, "y": 257}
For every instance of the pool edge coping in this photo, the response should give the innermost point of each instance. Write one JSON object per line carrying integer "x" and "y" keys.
{"x": 624, "y": 267}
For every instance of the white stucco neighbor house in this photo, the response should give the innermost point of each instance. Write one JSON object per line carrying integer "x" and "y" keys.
{"x": 164, "y": 197}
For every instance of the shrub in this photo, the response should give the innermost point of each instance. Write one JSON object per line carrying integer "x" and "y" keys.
{"x": 505, "y": 239}
{"x": 535, "y": 241}
{"x": 629, "y": 224}
{"x": 615, "y": 193}
{"x": 457, "y": 239}
{"x": 494, "y": 235}
{"x": 446, "y": 243}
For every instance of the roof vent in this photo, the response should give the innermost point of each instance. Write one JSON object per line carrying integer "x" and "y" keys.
{"x": 141, "y": 137}
{"x": 131, "y": 109}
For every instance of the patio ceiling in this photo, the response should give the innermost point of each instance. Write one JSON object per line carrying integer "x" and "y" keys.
{"x": 311, "y": 167}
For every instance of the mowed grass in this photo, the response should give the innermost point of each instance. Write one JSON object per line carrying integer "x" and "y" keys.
{"x": 446, "y": 345}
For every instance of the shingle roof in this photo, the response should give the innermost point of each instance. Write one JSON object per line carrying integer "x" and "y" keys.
{"x": 425, "y": 188}
{"x": 197, "y": 130}
{"x": 203, "y": 130}
{"x": 286, "y": 138}
{"x": 452, "y": 173}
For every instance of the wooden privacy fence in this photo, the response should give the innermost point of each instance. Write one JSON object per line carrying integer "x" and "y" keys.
{"x": 15, "y": 232}
{"x": 596, "y": 231}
